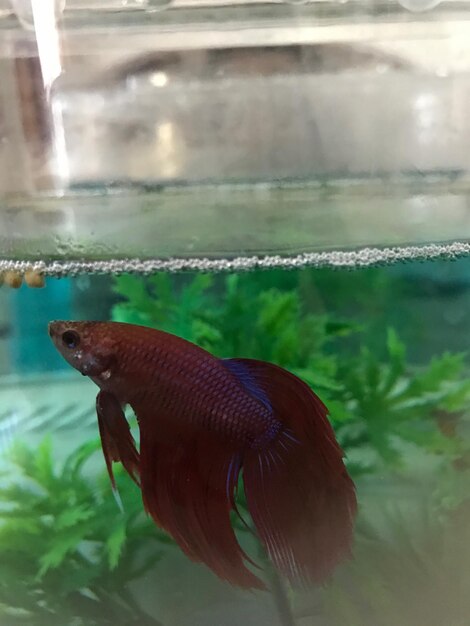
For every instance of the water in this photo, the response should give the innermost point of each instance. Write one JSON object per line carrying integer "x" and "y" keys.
{"x": 384, "y": 347}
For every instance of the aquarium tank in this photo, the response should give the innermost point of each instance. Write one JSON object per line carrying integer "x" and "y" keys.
{"x": 279, "y": 180}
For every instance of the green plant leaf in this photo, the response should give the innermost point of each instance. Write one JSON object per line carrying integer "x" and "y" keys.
{"x": 115, "y": 544}
{"x": 60, "y": 546}
{"x": 72, "y": 516}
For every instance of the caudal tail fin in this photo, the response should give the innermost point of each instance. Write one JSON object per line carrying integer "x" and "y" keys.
{"x": 299, "y": 494}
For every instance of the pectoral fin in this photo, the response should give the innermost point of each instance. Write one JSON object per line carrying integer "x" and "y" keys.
{"x": 116, "y": 438}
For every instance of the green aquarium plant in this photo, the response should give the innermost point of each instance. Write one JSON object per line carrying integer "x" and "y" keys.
{"x": 394, "y": 418}
{"x": 68, "y": 554}
{"x": 377, "y": 399}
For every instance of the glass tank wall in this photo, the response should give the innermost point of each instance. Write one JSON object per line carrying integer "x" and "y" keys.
{"x": 288, "y": 127}
{"x": 286, "y": 182}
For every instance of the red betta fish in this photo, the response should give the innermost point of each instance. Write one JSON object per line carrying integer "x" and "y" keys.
{"x": 202, "y": 421}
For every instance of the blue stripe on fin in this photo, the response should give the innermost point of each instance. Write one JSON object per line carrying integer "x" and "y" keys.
{"x": 242, "y": 372}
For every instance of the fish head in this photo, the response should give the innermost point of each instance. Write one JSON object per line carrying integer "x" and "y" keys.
{"x": 86, "y": 346}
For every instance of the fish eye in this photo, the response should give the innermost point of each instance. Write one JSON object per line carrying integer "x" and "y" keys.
{"x": 71, "y": 339}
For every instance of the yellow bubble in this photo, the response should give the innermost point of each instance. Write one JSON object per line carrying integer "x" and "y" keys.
{"x": 13, "y": 279}
{"x": 34, "y": 279}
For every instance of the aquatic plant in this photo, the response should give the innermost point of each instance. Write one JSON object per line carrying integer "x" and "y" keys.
{"x": 377, "y": 402}
{"x": 393, "y": 417}
{"x": 67, "y": 553}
